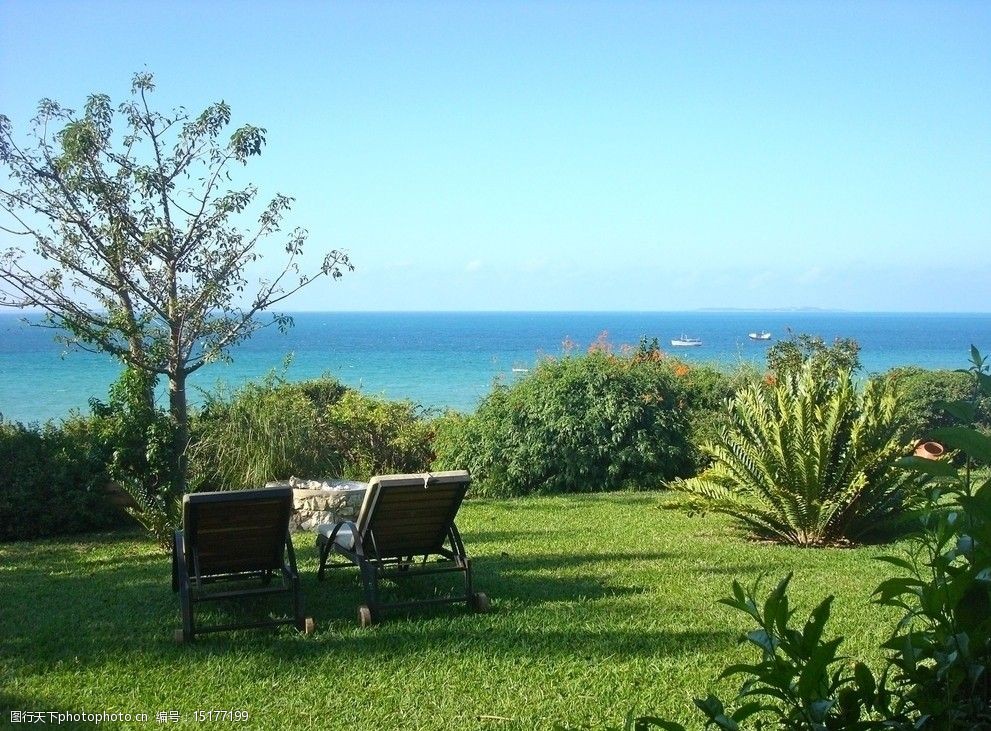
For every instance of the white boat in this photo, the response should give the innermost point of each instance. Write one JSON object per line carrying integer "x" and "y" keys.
{"x": 762, "y": 335}
{"x": 686, "y": 342}
{"x": 521, "y": 370}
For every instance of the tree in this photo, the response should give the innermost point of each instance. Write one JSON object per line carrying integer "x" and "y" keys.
{"x": 787, "y": 357}
{"x": 142, "y": 251}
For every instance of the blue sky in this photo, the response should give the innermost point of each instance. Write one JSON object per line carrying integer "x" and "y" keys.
{"x": 580, "y": 156}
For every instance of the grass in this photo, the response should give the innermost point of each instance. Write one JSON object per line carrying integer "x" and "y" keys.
{"x": 602, "y": 605}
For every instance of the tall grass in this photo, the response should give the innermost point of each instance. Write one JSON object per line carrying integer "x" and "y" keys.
{"x": 259, "y": 432}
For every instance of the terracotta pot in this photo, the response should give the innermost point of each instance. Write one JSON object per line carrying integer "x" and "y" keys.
{"x": 929, "y": 450}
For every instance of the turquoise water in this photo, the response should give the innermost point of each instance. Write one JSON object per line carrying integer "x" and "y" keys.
{"x": 445, "y": 360}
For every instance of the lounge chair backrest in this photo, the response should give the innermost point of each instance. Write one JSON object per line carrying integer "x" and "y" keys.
{"x": 408, "y": 515}
{"x": 236, "y": 531}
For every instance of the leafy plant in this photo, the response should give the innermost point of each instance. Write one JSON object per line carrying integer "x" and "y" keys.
{"x": 923, "y": 393}
{"x": 52, "y": 482}
{"x": 941, "y": 652}
{"x": 808, "y": 462}
{"x": 583, "y": 423}
{"x": 377, "y": 436}
{"x": 937, "y": 673}
{"x": 135, "y": 440}
{"x": 787, "y": 357}
{"x": 259, "y": 432}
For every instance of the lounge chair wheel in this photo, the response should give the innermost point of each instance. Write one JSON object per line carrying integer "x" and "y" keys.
{"x": 364, "y": 616}
{"x": 480, "y": 603}
{"x": 179, "y": 636}
{"x": 309, "y": 626}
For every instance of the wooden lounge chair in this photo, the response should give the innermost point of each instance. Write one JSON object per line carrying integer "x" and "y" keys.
{"x": 403, "y": 518}
{"x": 235, "y": 536}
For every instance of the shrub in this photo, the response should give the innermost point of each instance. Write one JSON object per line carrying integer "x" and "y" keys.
{"x": 581, "y": 423}
{"x": 52, "y": 482}
{"x": 705, "y": 391}
{"x": 259, "y": 432}
{"x": 375, "y": 436}
{"x": 320, "y": 428}
{"x": 923, "y": 392}
{"x": 135, "y": 443}
{"x": 807, "y": 462}
{"x": 787, "y": 357}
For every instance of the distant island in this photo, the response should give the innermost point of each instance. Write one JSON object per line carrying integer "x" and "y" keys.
{"x": 768, "y": 309}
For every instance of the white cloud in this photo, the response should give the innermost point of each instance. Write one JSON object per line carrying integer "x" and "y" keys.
{"x": 473, "y": 266}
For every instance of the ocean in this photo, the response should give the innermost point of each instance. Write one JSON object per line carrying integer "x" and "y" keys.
{"x": 451, "y": 359}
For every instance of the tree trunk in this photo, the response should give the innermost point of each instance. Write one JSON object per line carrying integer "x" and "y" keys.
{"x": 180, "y": 438}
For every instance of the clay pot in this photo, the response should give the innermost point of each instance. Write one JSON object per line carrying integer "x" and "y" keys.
{"x": 929, "y": 450}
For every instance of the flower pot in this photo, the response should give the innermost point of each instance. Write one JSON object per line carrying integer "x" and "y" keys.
{"x": 929, "y": 450}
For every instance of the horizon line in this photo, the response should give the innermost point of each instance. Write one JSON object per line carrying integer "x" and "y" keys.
{"x": 773, "y": 310}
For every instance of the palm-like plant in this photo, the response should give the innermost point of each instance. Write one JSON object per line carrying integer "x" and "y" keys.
{"x": 808, "y": 461}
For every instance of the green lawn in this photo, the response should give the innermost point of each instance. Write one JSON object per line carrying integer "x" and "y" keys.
{"x": 601, "y": 605}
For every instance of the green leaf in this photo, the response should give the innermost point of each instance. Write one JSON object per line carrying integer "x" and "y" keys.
{"x": 969, "y": 441}
{"x": 934, "y": 467}
{"x": 748, "y": 709}
{"x": 763, "y": 640}
{"x": 813, "y": 677}
{"x": 710, "y": 706}
{"x": 737, "y": 668}
{"x": 961, "y": 410}
{"x": 896, "y": 587}
{"x": 896, "y": 561}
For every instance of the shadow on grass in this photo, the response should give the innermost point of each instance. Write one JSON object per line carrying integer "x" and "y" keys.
{"x": 99, "y": 609}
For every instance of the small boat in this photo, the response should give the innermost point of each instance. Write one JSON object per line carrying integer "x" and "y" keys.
{"x": 686, "y": 342}
{"x": 762, "y": 335}
{"x": 521, "y": 370}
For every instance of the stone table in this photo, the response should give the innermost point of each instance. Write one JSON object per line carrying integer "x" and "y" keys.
{"x": 323, "y": 501}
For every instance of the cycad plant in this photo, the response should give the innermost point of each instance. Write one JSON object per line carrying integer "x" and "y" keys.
{"x": 808, "y": 461}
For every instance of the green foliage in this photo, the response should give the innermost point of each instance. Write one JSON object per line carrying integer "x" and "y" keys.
{"x": 940, "y": 663}
{"x": 52, "y": 483}
{"x": 376, "y": 436}
{"x": 937, "y": 673}
{"x": 787, "y": 357}
{"x": 808, "y": 461}
{"x": 924, "y": 393}
{"x": 580, "y": 423}
{"x": 705, "y": 391}
{"x": 135, "y": 441}
{"x": 256, "y": 433}
{"x": 275, "y": 429}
